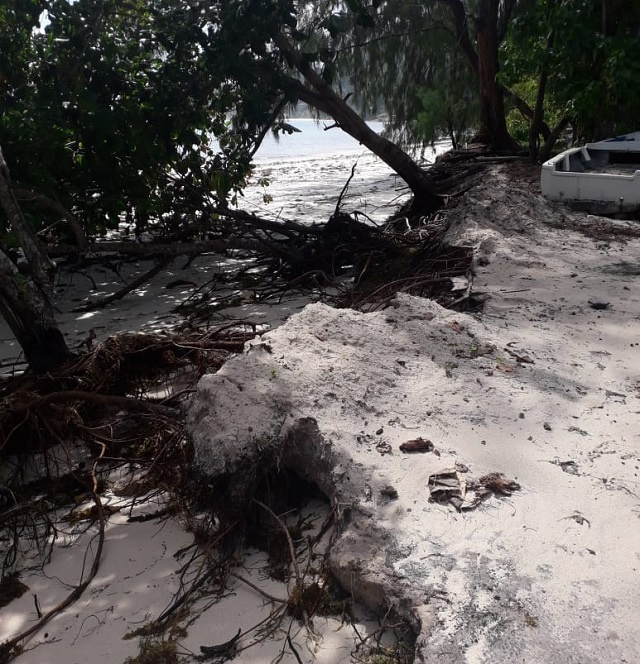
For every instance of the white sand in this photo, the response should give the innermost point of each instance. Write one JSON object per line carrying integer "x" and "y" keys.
{"x": 138, "y": 576}
{"x": 549, "y": 574}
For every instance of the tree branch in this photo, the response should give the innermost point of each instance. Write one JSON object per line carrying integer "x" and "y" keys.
{"x": 461, "y": 23}
{"x": 136, "y": 283}
{"x": 57, "y": 207}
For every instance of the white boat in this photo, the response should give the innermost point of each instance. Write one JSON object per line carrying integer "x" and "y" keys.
{"x": 602, "y": 177}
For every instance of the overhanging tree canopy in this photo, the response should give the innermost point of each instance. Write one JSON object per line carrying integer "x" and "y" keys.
{"x": 114, "y": 114}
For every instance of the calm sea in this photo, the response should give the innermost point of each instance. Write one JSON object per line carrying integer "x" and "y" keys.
{"x": 311, "y": 141}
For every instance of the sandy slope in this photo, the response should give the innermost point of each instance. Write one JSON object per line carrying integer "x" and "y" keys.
{"x": 541, "y": 386}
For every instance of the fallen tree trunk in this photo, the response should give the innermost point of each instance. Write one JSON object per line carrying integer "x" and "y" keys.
{"x": 322, "y": 97}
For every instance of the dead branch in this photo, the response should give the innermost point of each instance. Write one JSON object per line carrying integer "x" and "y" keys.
{"x": 195, "y": 586}
{"x": 345, "y": 189}
{"x": 259, "y": 590}
{"x": 127, "y": 403}
{"x": 136, "y": 283}
{"x": 162, "y": 248}
{"x": 287, "y": 534}
{"x": 281, "y": 226}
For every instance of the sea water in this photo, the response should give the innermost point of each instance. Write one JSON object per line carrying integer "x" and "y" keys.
{"x": 313, "y": 139}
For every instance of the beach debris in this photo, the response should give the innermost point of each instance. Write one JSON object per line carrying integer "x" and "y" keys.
{"x": 505, "y": 368}
{"x": 546, "y": 426}
{"x": 456, "y": 327}
{"x": 389, "y": 491}
{"x": 417, "y": 445}
{"x": 384, "y": 448}
{"x": 599, "y": 305}
{"x": 578, "y": 518}
{"x": 498, "y": 484}
{"x": 570, "y": 467}
{"x": 449, "y": 486}
{"x": 224, "y": 650}
{"x": 519, "y": 357}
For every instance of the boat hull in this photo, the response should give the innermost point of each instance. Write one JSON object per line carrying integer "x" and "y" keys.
{"x": 602, "y": 178}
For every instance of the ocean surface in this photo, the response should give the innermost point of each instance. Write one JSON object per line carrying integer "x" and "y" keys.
{"x": 311, "y": 141}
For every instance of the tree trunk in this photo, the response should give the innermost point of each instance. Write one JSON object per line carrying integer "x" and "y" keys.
{"x": 545, "y": 150}
{"x": 24, "y": 300}
{"x": 40, "y": 266}
{"x": 484, "y": 60}
{"x": 493, "y": 124}
{"x": 538, "y": 111}
{"x": 322, "y": 97}
{"x": 29, "y": 314}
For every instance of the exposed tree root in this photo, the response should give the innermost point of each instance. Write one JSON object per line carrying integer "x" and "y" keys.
{"x": 120, "y": 403}
{"x": 14, "y": 646}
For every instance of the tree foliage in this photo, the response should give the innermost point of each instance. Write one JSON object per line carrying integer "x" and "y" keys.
{"x": 448, "y": 107}
{"x": 591, "y": 51}
{"x": 115, "y": 106}
{"x": 448, "y": 48}
{"x": 150, "y": 112}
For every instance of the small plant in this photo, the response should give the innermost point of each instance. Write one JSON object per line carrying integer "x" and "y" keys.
{"x": 448, "y": 369}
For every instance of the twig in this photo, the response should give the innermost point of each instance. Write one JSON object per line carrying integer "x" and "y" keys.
{"x": 293, "y": 650}
{"x": 273, "y": 598}
{"x": 344, "y": 189}
{"x": 287, "y": 534}
{"x": 105, "y": 400}
{"x": 198, "y": 583}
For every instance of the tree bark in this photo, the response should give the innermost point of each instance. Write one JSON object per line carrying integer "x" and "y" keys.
{"x": 538, "y": 111}
{"x": 29, "y": 314}
{"x": 526, "y": 111}
{"x": 484, "y": 60}
{"x": 322, "y": 97}
{"x": 24, "y": 300}
{"x": 545, "y": 150}
{"x": 57, "y": 207}
{"x": 40, "y": 266}
{"x": 493, "y": 124}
